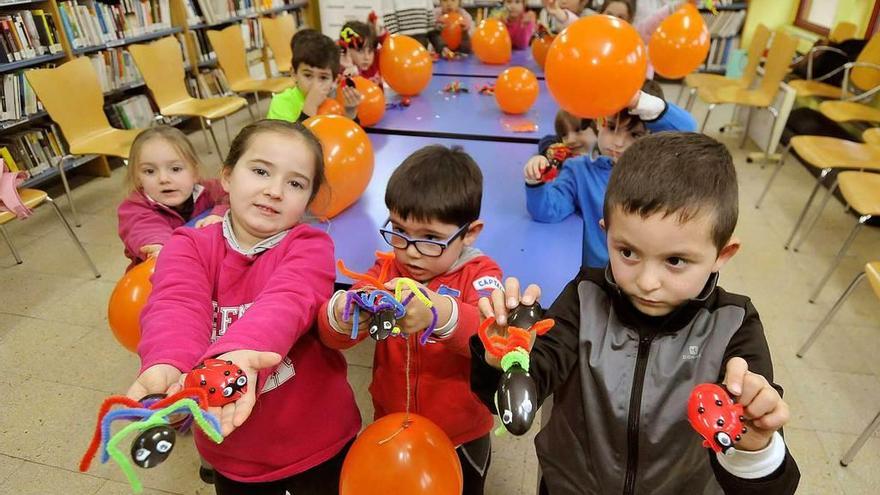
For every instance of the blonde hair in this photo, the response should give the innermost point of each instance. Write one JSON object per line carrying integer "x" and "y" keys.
{"x": 172, "y": 135}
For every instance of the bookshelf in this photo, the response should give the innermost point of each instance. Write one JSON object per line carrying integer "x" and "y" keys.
{"x": 724, "y": 30}
{"x": 47, "y": 33}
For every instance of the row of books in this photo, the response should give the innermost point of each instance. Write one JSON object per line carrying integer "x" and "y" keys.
{"x": 33, "y": 151}
{"x": 726, "y": 24}
{"x": 719, "y": 50}
{"x": 17, "y": 99}
{"x": 27, "y": 34}
{"x": 93, "y": 23}
{"x": 213, "y": 11}
{"x": 203, "y": 46}
{"x": 131, "y": 113}
{"x": 251, "y": 34}
{"x": 212, "y": 82}
{"x": 115, "y": 68}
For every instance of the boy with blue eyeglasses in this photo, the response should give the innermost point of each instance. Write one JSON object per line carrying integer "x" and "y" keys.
{"x": 434, "y": 200}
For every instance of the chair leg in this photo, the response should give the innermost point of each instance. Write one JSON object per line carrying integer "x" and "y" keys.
{"x": 76, "y": 220}
{"x": 214, "y": 138}
{"x": 226, "y": 126}
{"x": 745, "y": 136}
{"x": 828, "y": 194}
{"x": 205, "y": 135}
{"x": 257, "y": 102}
{"x": 706, "y": 119}
{"x": 692, "y": 96}
{"x": 857, "y": 445}
{"x": 839, "y": 256}
{"x": 843, "y": 297}
{"x": 767, "y": 150}
{"x": 73, "y": 236}
{"x": 803, "y": 214}
{"x": 776, "y": 171}
{"x": 10, "y": 244}
{"x": 251, "y": 112}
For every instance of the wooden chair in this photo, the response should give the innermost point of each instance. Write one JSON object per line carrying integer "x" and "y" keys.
{"x": 848, "y": 111}
{"x": 278, "y": 32}
{"x": 21, "y": 201}
{"x": 861, "y": 79}
{"x": 843, "y": 31}
{"x": 232, "y": 56}
{"x": 756, "y": 51}
{"x": 161, "y": 64}
{"x": 72, "y": 95}
{"x": 872, "y": 273}
{"x": 782, "y": 49}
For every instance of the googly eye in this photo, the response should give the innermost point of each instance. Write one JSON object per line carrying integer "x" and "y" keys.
{"x": 164, "y": 446}
{"x": 227, "y": 391}
{"x": 241, "y": 381}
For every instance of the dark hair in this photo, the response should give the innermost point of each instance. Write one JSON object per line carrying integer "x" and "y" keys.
{"x": 627, "y": 120}
{"x": 566, "y": 122}
{"x": 676, "y": 173}
{"x": 367, "y": 35}
{"x": 294, "y": 129}
{"x": 630, "y": 7}
{"x": 653, "y": 88}
{"x": 313, "y": 48}
{"x": 436, "y": 183}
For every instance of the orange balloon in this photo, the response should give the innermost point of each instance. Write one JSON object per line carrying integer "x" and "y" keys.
{"x": 491, "y": 42}
{"x": 595, "y": 66}
{"x": 348, "y": 163}
{"x": 680, "y": 44}
{"x": 331, "y": 107}
{"x": 372, "y": 107}
{"x": 516, "y": 90}
{"x": 452, "y": 26}
{"x": 419, "y": 459}
{"x": 405, "y": 65}
{"x": 539, "y": 48}
{"x": 126, "y": 302}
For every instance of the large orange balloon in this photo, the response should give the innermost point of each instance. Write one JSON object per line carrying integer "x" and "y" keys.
{"x": 126, "y": 302}
{"x": 680, "y": 44}
{"x": 372, "y": 107}
{"x": 452, "y": 26}
{"x": 348, "y": 163}
{"x": 405, "y": 65}
{"x": 540, "y": 45}
{"x": 491, "y": 42}
{"x": 331, "y": 107}
{"x": 419, "y": 459}
{"x": 595, "y": 66}
{"x": 516, "y": 90}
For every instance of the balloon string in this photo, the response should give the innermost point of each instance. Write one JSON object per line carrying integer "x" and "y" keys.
{"x": 406, "y": 420}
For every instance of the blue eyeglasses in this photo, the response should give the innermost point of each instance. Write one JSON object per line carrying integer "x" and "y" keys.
{"x": 426, "y": 247}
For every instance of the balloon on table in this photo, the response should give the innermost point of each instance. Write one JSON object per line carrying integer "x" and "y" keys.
{"x": 516, "y": 90}
{"x": 491, "y": 42}
{"x": 331, "y": 107}
{"x": 372, "y": 107}
{"x": 405, "y": 64}
{"x": 452, "y": 29}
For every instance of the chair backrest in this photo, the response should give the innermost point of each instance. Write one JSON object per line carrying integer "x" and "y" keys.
{"x": 72, "y": 95}
{"x": 161, "y": 64}
{"x": 229, "y": 47}
{"x": 843, "y": 31}
{"x": 865, "y": 78}
{"x": 872, "y": 136}
{"x": 278, "y": 32}
{"x": 756, "y": 50}
{"x": 782, "y": 50}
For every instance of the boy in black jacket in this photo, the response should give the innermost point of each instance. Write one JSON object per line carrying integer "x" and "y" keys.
{"x": 631, "y": 341}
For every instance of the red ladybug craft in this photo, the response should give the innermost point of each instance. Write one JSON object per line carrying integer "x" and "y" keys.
{"x": 714, "y": 415}
{"x": 223, "y": 381}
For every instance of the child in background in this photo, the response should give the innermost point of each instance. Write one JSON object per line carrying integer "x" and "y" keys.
{"x": 520, "y": 23}
{"x": 359, "y": 44}
{"x": 314, "y": 68}
{"x": 247, "y": 290}
{"x": 633, "y": 339}
{"x": 164, "y": 177}
{"x": 580, "y": 185}
{"x": 414, "y": 18}
{"x": 434, "y": 200}
{"x": 558, "y": 14}
{"x": 467, "y": 22}
{"x": 576, "y": 134}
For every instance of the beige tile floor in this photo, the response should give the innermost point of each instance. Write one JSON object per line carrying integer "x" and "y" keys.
{"x": 58, "y": 359}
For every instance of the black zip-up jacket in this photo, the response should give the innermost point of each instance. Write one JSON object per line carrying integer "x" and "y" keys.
{"x": 621, "y": 382}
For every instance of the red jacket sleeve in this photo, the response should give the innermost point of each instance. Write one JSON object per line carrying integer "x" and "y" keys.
{"x": 140, "y": 224}
{"x": 286, "y": 308}
{"x": 330, "y": 337}
{"x": 176, "y": 322}
{"x": 468, "y": 314}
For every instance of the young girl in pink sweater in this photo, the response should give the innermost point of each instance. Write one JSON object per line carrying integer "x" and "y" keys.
{"x": 520, "y": 23}
{"x": 164, "y": 177}
{"x": 247, "y": 289}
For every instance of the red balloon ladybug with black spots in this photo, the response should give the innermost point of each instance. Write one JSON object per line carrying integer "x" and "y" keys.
{"x": 714, "y": 415}
{"x": 222, "y": 380}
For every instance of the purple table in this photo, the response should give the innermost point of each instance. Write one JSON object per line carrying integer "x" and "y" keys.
{"x": 472, "y": 67}
{"x": 471, "y": 115}
{"x": 546, "y": 254}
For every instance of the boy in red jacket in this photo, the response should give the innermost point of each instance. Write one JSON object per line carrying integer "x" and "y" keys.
{"x": 434, "y": 203}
